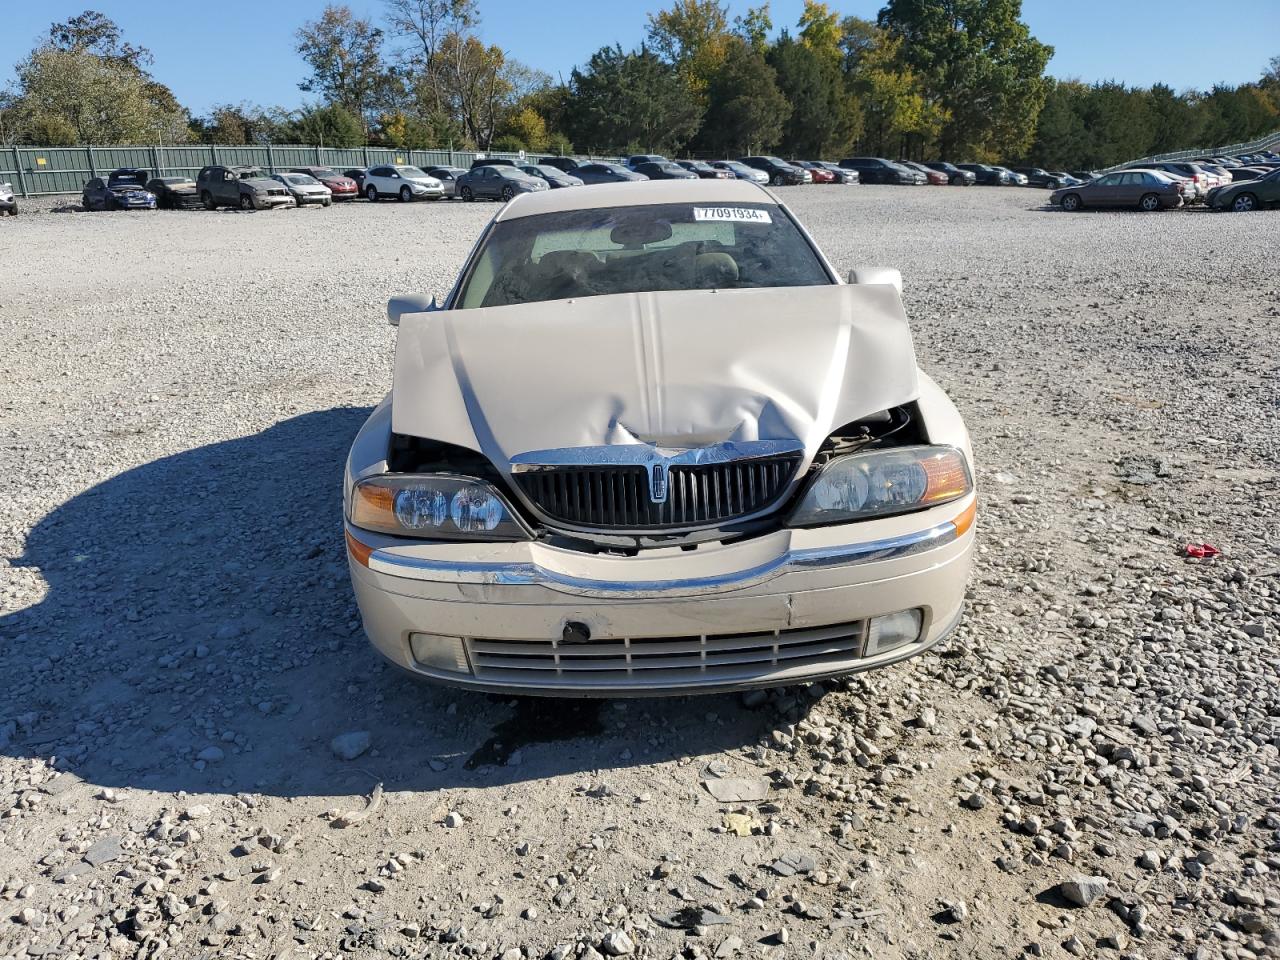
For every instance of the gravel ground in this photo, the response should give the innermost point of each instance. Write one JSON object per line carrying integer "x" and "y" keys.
{"x": 1087, "y": 767}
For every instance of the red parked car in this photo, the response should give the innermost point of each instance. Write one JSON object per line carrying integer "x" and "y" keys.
{"x": 820, "y": 174}
{"x": 342, "y": 187}
{"x": 936, "y": 178}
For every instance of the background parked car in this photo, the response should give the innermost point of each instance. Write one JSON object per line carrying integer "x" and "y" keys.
{"x": 636, "y": 159}
{"x": 664, "y": 170}
{"x": 1039, "y": 177}
{"x": 816, "y": 173}
{"x": 955, "y": 176}
{"x": 934, "y": 177}
{"x": 601, "y": 172}
{"x": 356, "y": 174}
{"x": 174, "y": 193}
{"x": 741, "y": 171}
{"x": 248, "y": 188}
{"x": 1084, "y": 176}
{"x": 498, "y": 182}
{"x": 1201, "y": 177}
{"x": 1018, "y": 179}
{"x": 341, "y": 187}
{"x": 123, "y": 189}
{"x": 1247, "y": 195}
{"x": 880, "y": 170}
{"x": 987, "y": 176}
{"x": 1248, "y": 173}
{"x": 841, "y": 174}
{"x": 305, "y": 189}
{"x": 1147, "y": 190}
{"x": 705, "y": 171}
{"x": 399, "y": 180}
{"x": 779, "y": 172}
{"x": 491, "y": 162}
{"x": 556, "y": 178}
{"x": 448, "y": 177}
{"x": 567, "y": 164}
{"x": 8, "y": 202}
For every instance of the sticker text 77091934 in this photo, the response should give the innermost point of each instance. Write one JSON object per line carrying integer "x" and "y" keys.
{"x": 732, "y": 214}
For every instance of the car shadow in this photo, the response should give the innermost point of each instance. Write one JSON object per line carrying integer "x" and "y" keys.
{"x": 199, "y": 633}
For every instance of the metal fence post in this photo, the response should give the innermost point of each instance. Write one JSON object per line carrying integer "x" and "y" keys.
{"x": 213, "y": 155}
{"x": 365, "y": 155}
{"x": 155, "y": 162}
{"x": 271, "y": 160}
{"x": 93, "y": 169}
{"x": 17, "y": 168}
{"x": 319, "y": 159}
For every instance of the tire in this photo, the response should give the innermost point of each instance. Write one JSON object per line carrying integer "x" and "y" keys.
{"x": 507, "y": 194}
{"x": 246, "y": 202}
{"x": 775, "y": 180}
{"x": 206, "y": 198}
{"x": 371, "y": 192}
{"x": 326, "y": 203}
{"x": 1071, "y": 202}
{"x": 467, "y": 195}
{"x": 1149, "y": 203}
{"x": 405, "y": 194}
{"x": 1244, "y": 203}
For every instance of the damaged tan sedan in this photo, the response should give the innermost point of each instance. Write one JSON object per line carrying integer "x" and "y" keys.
{"x": 651, "y": 443}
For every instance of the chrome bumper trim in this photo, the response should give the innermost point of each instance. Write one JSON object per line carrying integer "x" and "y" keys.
{"x": 532, "y": 574}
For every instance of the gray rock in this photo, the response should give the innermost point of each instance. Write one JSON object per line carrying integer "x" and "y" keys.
{"x": 348, "y": 746}
{"x": 1081, "y": 890}
{"x": 616, "y": 943}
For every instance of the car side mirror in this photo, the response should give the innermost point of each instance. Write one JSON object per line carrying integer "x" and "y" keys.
{"x": 409, "y": 303}
{"x": 889, "y": 275}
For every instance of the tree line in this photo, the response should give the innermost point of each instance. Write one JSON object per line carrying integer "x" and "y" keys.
{"x": 952, "y": 79}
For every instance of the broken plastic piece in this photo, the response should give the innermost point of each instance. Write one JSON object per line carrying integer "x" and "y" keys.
{"x": 1202, "y": 551}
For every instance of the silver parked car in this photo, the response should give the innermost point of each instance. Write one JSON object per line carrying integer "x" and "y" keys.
{"x": 493, "y": 182}
{"x": 448, "y": 177}
{"x": 305, "y": 189}
{"x": 397, "y": 180}
{"x": 652, "y": 442}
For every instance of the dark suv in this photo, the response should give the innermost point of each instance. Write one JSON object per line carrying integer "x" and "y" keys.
{"x": 248, "y": 188}
{"x": 780, "y": 172}
{"x": 956, "y": 176}
{"x": 988, "y": 176}
{"x": 880, "y": 170}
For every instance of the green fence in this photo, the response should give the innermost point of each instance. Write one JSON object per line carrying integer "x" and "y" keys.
{"x": 41, "y": 170}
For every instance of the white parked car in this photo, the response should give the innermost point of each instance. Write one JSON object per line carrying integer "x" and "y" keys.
{"x": 8, "y": 203}
{"x": 407, "y": 183}
{"x": 305, "y": 188}
{"x": 651, "y": 442}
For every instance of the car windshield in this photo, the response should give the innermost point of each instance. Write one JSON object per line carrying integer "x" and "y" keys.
{"x": 176, "y": 180}
{"x": 410, "y": 172}
{"x": 126, "y": 180}
{"x": 252, "y": 173}
{"x": 323, "y": 173}
{"x": 300, "y": 178}
{"x": 637, "y": 249}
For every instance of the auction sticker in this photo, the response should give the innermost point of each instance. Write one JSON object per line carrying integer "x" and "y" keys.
{"x": 732, "y": 214}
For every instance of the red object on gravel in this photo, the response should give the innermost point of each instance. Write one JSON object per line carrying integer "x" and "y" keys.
{"x": 1202, "y": 551}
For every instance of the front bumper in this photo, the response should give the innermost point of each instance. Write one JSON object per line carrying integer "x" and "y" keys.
{"x": 791, "y": 606}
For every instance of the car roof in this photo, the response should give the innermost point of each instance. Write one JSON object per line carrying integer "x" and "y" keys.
{"x": 636, "y": 194}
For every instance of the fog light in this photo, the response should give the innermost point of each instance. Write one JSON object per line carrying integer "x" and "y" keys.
{"x": 892, "y": 630}
{"x": 439, "y": 653}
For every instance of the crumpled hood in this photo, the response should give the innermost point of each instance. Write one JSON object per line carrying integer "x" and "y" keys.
{"x": 682, "y": 369}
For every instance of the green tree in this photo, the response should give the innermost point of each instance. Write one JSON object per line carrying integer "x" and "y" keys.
{"x": 754, "y": 26}
{"x": 745, "y": 108}
{"x": 78, "y": 97}
{"x": 820, "y": 30}
{"x": 344, "y": 53}
{"x": 825, "y": 119}
{"x": 692, "y": 35}
{"x": 980, "y": 64}
{"x": 620, "y": 101}
{"x": 1175, "y": 122}
{"x": 422, "y": 26}
{"x": 96, "y": 33}
{"x": 331, "y": 125}
{"x": 895, "y": 112}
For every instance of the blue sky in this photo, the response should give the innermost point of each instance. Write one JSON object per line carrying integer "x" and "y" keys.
{"x": 228, "y": 58}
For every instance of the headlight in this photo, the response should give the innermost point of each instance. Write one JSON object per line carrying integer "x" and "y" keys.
{"x": 883, "y": 482}
{"x": 434, "y": 508}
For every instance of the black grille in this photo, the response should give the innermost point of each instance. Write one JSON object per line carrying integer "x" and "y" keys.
{"x": 619, "y": 497}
